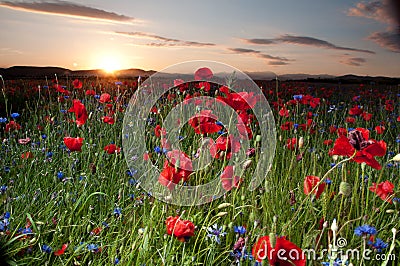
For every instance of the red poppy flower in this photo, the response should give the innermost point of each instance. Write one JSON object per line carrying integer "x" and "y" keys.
{"x": 228, "y": 180}
{"x": 27, "y": 155}
{"x": 366, "y": 116}
{"x": 204, "y": 85}
{"x": 341, "y": 131}
{"x": 350, "y": 120}
{"x": 383, "y": 190}
{"x": 379, "y": 129}
{"x": 24, "y": 141}
{"x": 181, "y": 229}
{"x": 310, "y": 182}
{"x": 158, "y": 131}
{"x": 177, "y": 167}
{"x": 244, "y": 131}
{"x": 224, "y": 146}
{"x": 284, "y": 112}
{"x": 366, "y": 149}
{"x": 291, "y": 143}
{"x": 96, "y": 231}
{"x": 285, "y": 253}
{"x": 328, "y": 142}
{"x": 356, "y": 110}
{"x": 203, "y": 73}
{"x": 332, "y": 129}
{"x": 204, "y": 123}
{"x": 287, "y": 126}
{"x": 108, "y": 119}
{"x": 80, "y": 112}
{"x": 77, "y": 84}
{"x": 398, "y": 118}
{"x": 90, "y": 93}
{"x": 73, "y": 144}
{"x": 178, "y": 82}
{"x": 112, "y": 148}
{"x": 61, "y": 251}
{"x": 11, "y": 126}
{"x": 105, "y": 98}
{"x": 241, "y": 101}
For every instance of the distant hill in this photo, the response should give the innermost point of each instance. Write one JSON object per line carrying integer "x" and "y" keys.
{"x": 50, "y": 72}
{"x": 19, "y": 72}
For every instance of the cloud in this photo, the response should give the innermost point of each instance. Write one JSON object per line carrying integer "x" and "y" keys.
{"x": 277, "y": 60}
{"x": 65, "y": 8}
{"x": 386, "y": 12}
{"x": 388, "y": 40}
{"x": 353, "y": 61}
{"x": 304, "y": 40}
{"x": 381, "y": 11}
{"x": 162, "y": 41}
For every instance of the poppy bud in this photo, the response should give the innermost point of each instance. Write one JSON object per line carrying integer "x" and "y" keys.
{"x": 301, "y": 142}
{"x": 247, "y": 164}
{"x": 345, "y": 189}
{"x": 272, "y": 239}
{"x": 396, "y": 158}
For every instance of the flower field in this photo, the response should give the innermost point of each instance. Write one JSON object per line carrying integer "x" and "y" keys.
{"x": 69, "y": 198}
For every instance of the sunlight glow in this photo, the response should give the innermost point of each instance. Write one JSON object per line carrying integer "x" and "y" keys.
{"x": 109, "y": 63}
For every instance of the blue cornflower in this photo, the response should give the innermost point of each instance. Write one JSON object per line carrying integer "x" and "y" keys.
{"x": 93, "y": 247}
{"x": 60, "y": 175}
{"x": 219, "y": 123}
{"x": 3, "y": 189}
{"x": 379, "y": 244}
{"x": 116, "y": 261}
{"x": 241, "y": 230}
{"x": 118, "y": 83}
{"x": 3, "y": 120}
{"x": 337, "y": 262}
{"x": 44, "y": 136}
{"x": 27, "y": 231}
{"x": 215, "y": 232}
{"x": 117, "y": 211}
{"x": 46, "y": 249}
{"x": 298, "y": 97}
{"x": 131, "y": 172}
{"x": 296, "y": 126}
{"x": 158, "y": 150}
{"x": 238, "y": 255}
{"x": 364, "y": 230}
{"x": 15, "y": 115}
{"x": 66, "y": 97}
{"x": 328, "y": 181}
{"x": 7, "y": 169}
{"x": 105, "y": 224}
{"x": 396, "y": 200}
{"x": 97, "y": 96}
{"x": 49, "y": 154}
{"x": 221, "y": 132}
{"x": 132, "y": 182}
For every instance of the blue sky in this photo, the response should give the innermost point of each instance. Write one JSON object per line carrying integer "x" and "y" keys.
{"x": 287, "y": 36}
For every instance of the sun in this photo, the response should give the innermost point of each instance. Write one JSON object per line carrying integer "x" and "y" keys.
{"x": 109, "y": 64}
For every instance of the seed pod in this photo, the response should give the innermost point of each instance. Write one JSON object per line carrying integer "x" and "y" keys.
{"x": 345, "y": 189}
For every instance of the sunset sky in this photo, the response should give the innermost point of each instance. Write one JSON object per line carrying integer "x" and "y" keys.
{"x": 283, "y": 36}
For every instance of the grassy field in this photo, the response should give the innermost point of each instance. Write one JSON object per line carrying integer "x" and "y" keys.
{"x": 85, "y": 207}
